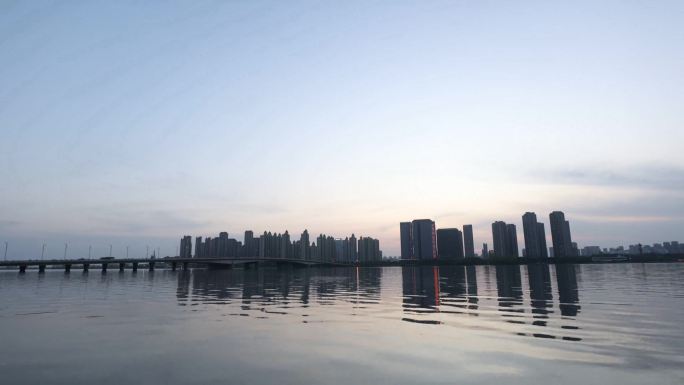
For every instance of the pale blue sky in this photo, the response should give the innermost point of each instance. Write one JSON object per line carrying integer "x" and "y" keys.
{"x": 137, "y": 122}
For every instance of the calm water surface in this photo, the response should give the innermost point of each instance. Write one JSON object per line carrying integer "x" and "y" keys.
{"x": 565, "y": 324}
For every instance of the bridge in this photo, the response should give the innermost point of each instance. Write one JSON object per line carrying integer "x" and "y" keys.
{"x": 151, "y": 263}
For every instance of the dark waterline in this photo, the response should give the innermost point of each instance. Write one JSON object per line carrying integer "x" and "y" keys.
{"x": 617, "y": 324}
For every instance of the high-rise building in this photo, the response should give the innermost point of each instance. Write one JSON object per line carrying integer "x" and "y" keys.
{"x": 531, "y": 234}
{"x": 353, "y": 249}
{"x": 450, "y": 244}
{"x": 199, "y": 249}
{"x": 541, "y": 237}
{"x": 424, "y": 239}
{"x": 406, "y": 243}
{"x": 304, "y": 246}
{"x": 512, "y": 241}
{"x": 369, "y": 250}
{"x": 560, "y": 235}
{"x": 185, "y": 250}
{"x": 222, "y": 251}
{"x": 250, "y": 250}
{"x": 500, "y": 238}
{"x": 485, "y": 251}
{"x": 468, "y": 241}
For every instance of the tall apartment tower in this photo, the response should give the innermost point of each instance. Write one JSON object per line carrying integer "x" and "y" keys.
{"x": 424, "y": 239}
{"x": 450, "y": 243}
{"x": 500, "y": 238}
{"x": 560, "y": 235}
{"x": 512, "y": 240}
{"x": 406, "y": 243}
{"x": 541, "y": 237}
{"x": 199, "y": 249}
{"x": 185, "y": 250}
{"x": 468, "y": 241}
{"x": 531, "y": 233}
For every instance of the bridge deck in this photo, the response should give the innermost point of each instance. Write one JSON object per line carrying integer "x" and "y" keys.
{"x": 127, "y": 261}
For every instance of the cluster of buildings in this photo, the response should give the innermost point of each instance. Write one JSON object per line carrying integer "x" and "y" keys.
{"x": 672, "y": 247}
{"x": 421, "y": 240}
{"x": 279, "y": 246}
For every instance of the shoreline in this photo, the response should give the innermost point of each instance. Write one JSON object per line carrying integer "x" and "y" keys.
{"x": 597, "y": 259}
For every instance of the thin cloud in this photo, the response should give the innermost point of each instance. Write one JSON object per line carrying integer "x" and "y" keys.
{"x": 660, "y": 177}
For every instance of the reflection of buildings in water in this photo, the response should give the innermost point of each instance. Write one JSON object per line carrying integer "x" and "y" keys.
{"x": 270, "y": 285}
{"x": 509, "y": 288}
{"x": 541, "y": 297}
{"x": 452, "y": 281}
{"x": 306, "y": 287}
{"x": 348, "y": 284}
{"x": 183, "y": 288}
{"x": 211, "y": 285}
{"x": 566, "y": 276}
{"x": 420, "y": 287}
{"x": 471, "y": 276}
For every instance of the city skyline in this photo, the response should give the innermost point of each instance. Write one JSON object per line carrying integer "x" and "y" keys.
{"x": 507, "y": 236}
{"x": 128, "y": 124}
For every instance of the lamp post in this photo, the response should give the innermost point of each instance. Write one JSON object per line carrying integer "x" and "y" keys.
{"x": 6, "y": 250}
{"x": 90, "y": 249}
{"x": 42, "y": 253}
{"x": 66, "y": 245}
{"x": 110, "y": 251}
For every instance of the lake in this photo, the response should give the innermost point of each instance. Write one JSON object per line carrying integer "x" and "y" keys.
{"x": 537, "y": 324}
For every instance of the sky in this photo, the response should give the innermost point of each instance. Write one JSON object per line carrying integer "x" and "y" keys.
{"x": 131, "y": 123}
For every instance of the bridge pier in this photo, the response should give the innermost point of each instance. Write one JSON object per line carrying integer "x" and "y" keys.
{"x": 135, "y": 266}
{"x": 86, "y": 267}
{"x": 151, "y": 266}
{"x": 173, "y": 266}
{"x": 185, "y": 265}
{"x": 67, "y": 268}
{"x": 122, "y": 265}
{"x": 250, "y": 265}
{"x": 104, "y": 268}
{"x": 41, "y": 268}
{"x": 22, "y": 269}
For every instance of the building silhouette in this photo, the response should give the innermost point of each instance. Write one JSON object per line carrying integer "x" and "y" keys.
{"x": 418, "y": 239}
{"x": 405, "y": 229}
{"x": 535, "y": 236}
{"x": 450, "y": 244}
{"x": 185, "y": 250}
{"x": 500, "y": 238}
{"x": 249, "y": 247}
{"x": 468, "y": 241}
{"x": 424, "y": 239}
{"x": 560, "y": 235}
{"x": 369, "y": 250}
{"x": 541, "y": 237}
{"x": 512, "y": 240}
